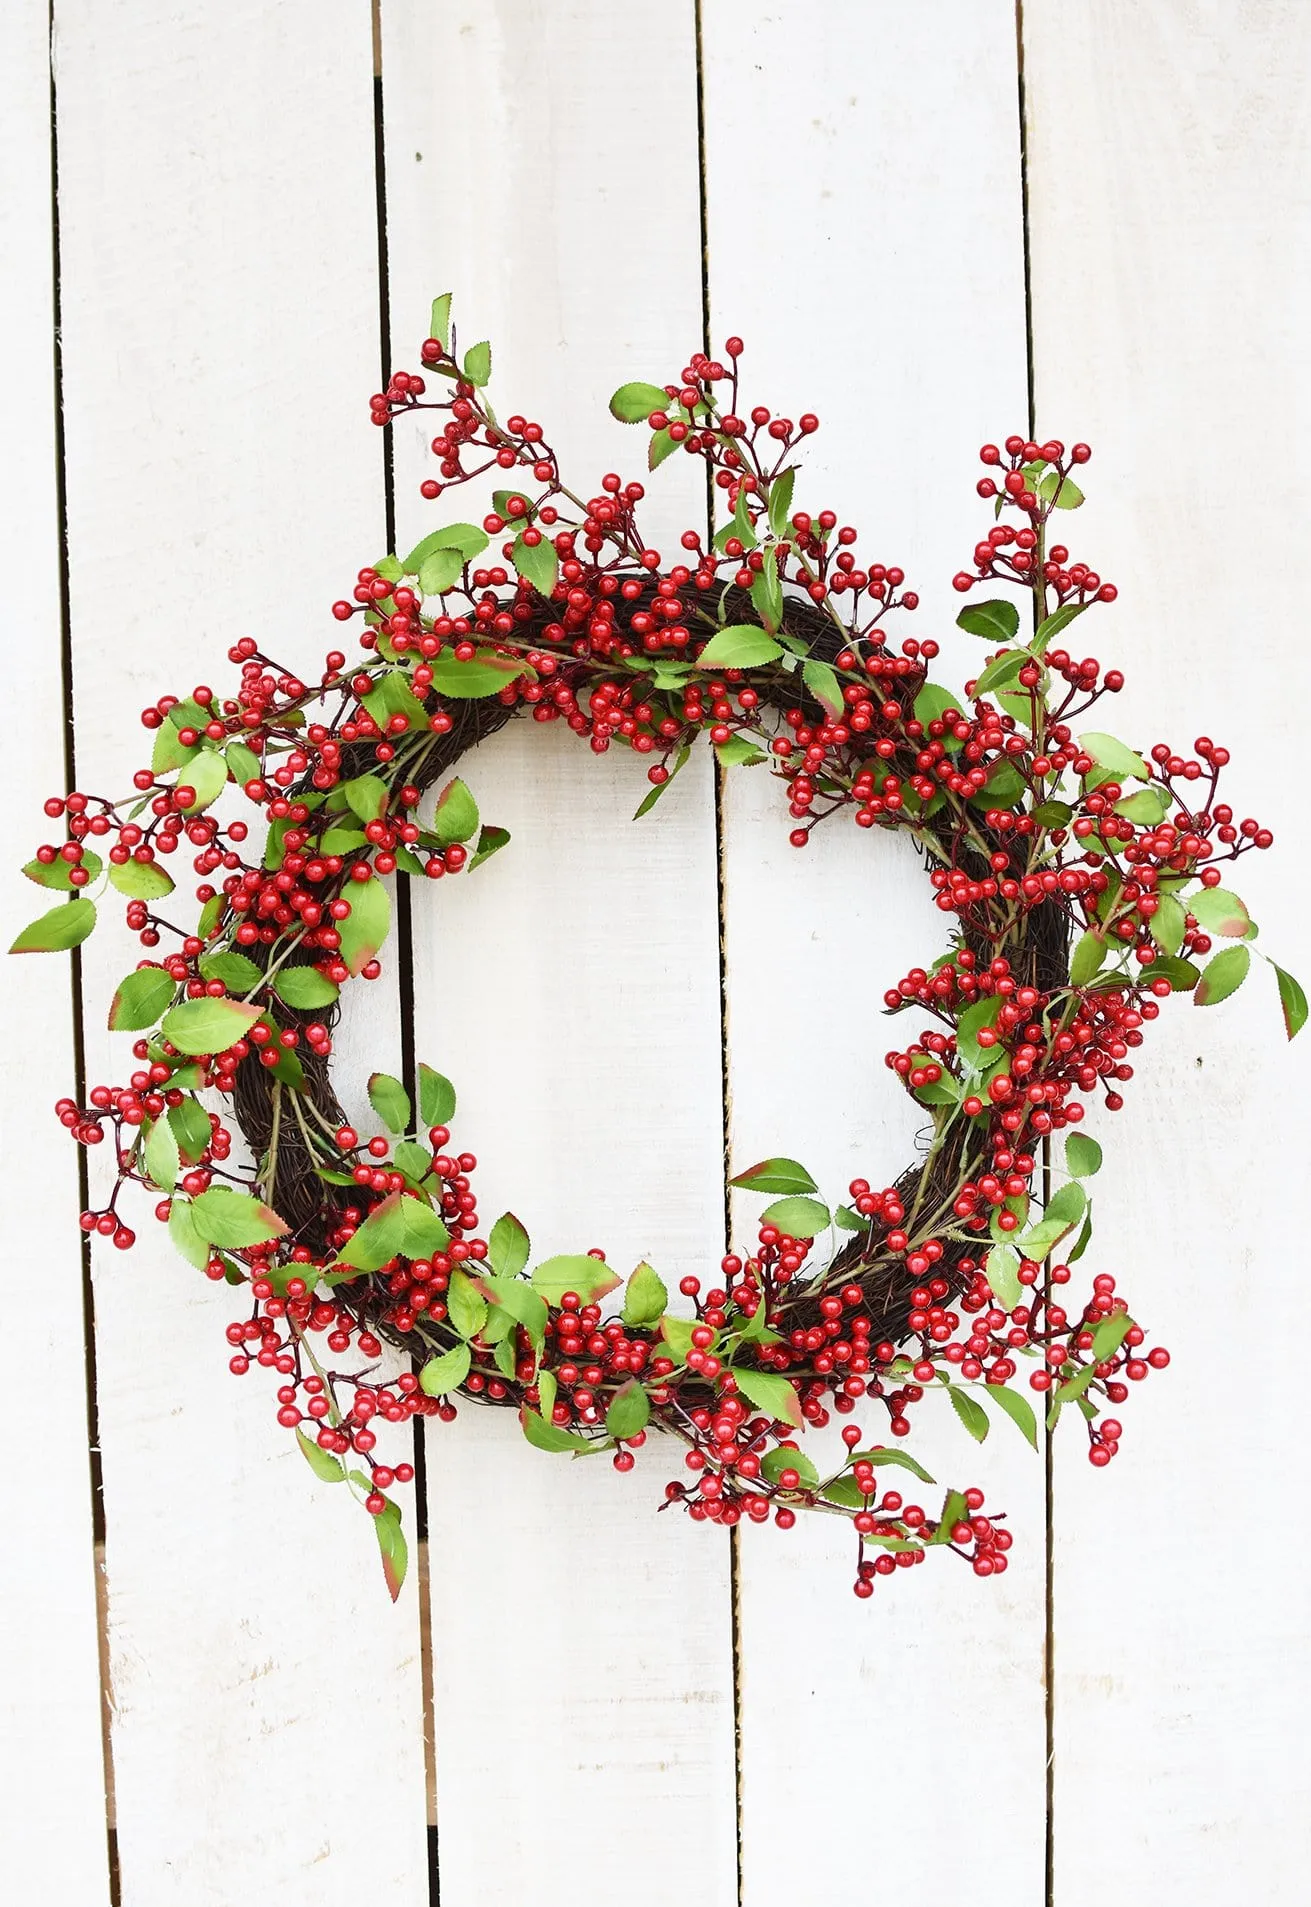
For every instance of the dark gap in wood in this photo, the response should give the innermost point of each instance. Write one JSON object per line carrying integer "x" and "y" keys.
{"x": 725, "y": 1080}
{"x": 95, "y": 1470}
{"x": 1048, "y": 1475}
{"x": 405, "y": 985}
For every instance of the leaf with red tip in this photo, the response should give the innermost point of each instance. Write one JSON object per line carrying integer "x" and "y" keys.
{"x": 771, "y": 1393}
{"x": 1293, "y": 1000}
{"x": 1222, "y": 976}
{"x": 392, "y": 1547}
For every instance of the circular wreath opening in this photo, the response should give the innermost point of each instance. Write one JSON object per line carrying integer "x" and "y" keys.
{"x": 1079, "y": 881}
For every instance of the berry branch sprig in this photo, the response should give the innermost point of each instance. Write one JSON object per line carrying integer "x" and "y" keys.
{"x": 1082, "y": 881}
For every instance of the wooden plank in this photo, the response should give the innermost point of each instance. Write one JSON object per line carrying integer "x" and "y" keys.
{"x": 536, "y": 169}
{"x": 221, "y": 327}
{"x": 1171, "y": 207}
{"x": 52, "y": 1795}
{"x": 889, "y": 297}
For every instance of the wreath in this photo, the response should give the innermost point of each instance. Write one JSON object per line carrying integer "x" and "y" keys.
{"x": 1080, "y": 881}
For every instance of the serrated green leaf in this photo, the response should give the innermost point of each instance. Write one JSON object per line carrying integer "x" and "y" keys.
{"x": 629, "y": 1412}
{"x": 1107, "y": 752}
{"x": 546, "y": 1436}
{"x": 465, "y": 1307}
{"x": 1168, "y": 924}
{"x": 1293, "y": 1001}
{"x": 436, "y": 1097}
{"x": 305, "y": 988}
{"x": 1083, "y": 1156}
{"x": 140, "y": 1000}
{"x": 1087, "y": 957}
{"x": 772, "y": 1394}
{"x": 326, "y": 1467}
{"x": 798, "y": 1217}
{"x": 185, "y": 1236}
{"x": 477, "y": 365}
{"x": 484, "y": 674}
{"x": 900, "y": 1459}
{"x": 234, "y": 1219}
{"x": 447, "y": 1372}
{"x": 591, "y": 1278}
{"x": 456, "y": 817}
{"x": 776, "y": 1175}
{"x": 207, "y": 777}
{"x": 781, "y": 1458}
{"x": 1222, "y": 975}
{"x": 634, "y": 403}
{"x": 366, "y": 796}
{"x": 207, "y": 1026}
{"x": 57, "y": 873}
{"x": 740, "y": 646}
{"x": 237, "y": 973}
{"x": 191, "y": 1129}
{"x": 995, "y": 621}
{"x": 490, "y": 841}
{"x": 508, "y": 1246}
{"x": 1219, "y": 912}
{"x": 537, "y": 563}
{"x": 1002, "y": 1266}
{"x": 823, "y": 684}
{"x": 645, "y": 1297}
{"x": 1017, "y": 1407}
{"x": 160, "y": 1155}
{"x": 366, "y": 926}
{"x": 439, "y": 323}
{"x": 141, "y": 880}
{"x": 390, "y": 1101}
{"x": 972, "y": 1415}
{"x": 391, "y": 1547}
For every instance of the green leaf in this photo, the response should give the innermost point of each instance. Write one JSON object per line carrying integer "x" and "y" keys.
{"x": 1053, "y": 814}
{"x": 237, "y": 973}
{"x": 1017, "y": 1407}
{"x": 392, "y": 1548}
{"x": 634, "y": 403}
{"x": 1062, "y": 491}
{"x": 1107, "y": 752}
{"x": 467, "y": 538}
{"x": 508, "y": 1246}
{"x": 645, "y": 1296}
{"x": 954, "y": 1510}
{"x": 390, "y": 1101}
{"x": 63, "y": 927}
{"x": 207, "y": 775}
{"x": 983, "y": 1013}
{"x": 185, "y": 1236}
{"x": 141, "y": 880}
{"x": 1086, "y": 960}
{"x": 478, "y": 364}
{"x": 1003, "y": 1263}
{"x": 1222, "y": 976}
{"x": 1146, "y": 807}
{"x": 526, "y": 1306}
{"x": 546, "y": 1436}
{"x": 366, "y": 796}
{"x": 740, "y": 646}
{"x": 780, "y": 501}
{"x": 653, "y": 795}
{"x": 781, "y": 1458}
{"x": 770, "y": 1393}
{"x": 662, "y": 445}
{"x": 366, "y": 926}
{"x": 325, "y": 1466}
{"x": 400, "y": 1224}
{"x": 537, "y": 563}
{"x": 776, "y": 1175}
{"x": 160, "y": 1155}
{"x": 191, "y": 1129}
{"x": 1052, "y": 625}
{"x": 234, "y": 1219}
{"x": 486, "y": 673}
{"x": 456, "y": 818}
{"x": 140, "y": 1000}
{"x": 1083, "y": 1156}
{"x": 393, "y": 696}
{"x": 56, "y": 874}
{"x": 1182, "y": 974}
{"x": 305, "y": 988}
{"x": 1219, "y": 912}
{"x": 798, "y": 1217}
{"x": 591, "y": 1278}
{"x": 1293, "y": 1000}
{"x": 738, "y": 752}
{"x": 824, "y": 685}
{"x": 1061, "y": 1214}
{"x": 243, "y": 762}
{"x": 440, "y": 571}
{"x": 677, "y": 1334}
{"x": 900, "y": 1459}
{"x": 168, "y": 752}
{"x": 1109, "y": 1334}
{"x": 436, "y": 1097}
{"x": 490, "y": 841}
{"x": 465, "y": 1307}
{"x": 1002, "y": 671}
{"x": 413, "y": 1160}
{"x": 439, "y": 324}
{"x": 972, "y": 1415}
{"x": 207, "y": 1026}
{"x": 848, "y": 1220}
{"x": 1168, "y": 924}
{"x": 767, "y": 592}
{"x": 629, "y": 1412}
{"x": 447, "y": 1372}
{"x": 995, "y": 621}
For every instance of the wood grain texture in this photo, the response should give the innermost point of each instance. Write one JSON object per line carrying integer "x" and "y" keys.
{"x": 220, "y": 329}
{"x": 542, "y": 164}
{"x": 865, "y": 238}
{"x": 1171, "y": 211}
{"x": 52, "y": 1781}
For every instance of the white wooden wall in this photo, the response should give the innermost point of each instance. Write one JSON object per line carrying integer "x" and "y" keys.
{"x": 614, "y": 1702}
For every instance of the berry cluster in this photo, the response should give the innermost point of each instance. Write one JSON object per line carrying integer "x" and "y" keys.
{"x": 1081, "y": 881}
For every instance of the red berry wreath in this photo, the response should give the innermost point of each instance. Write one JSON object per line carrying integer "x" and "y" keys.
{"x": 1080, "y": 881}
